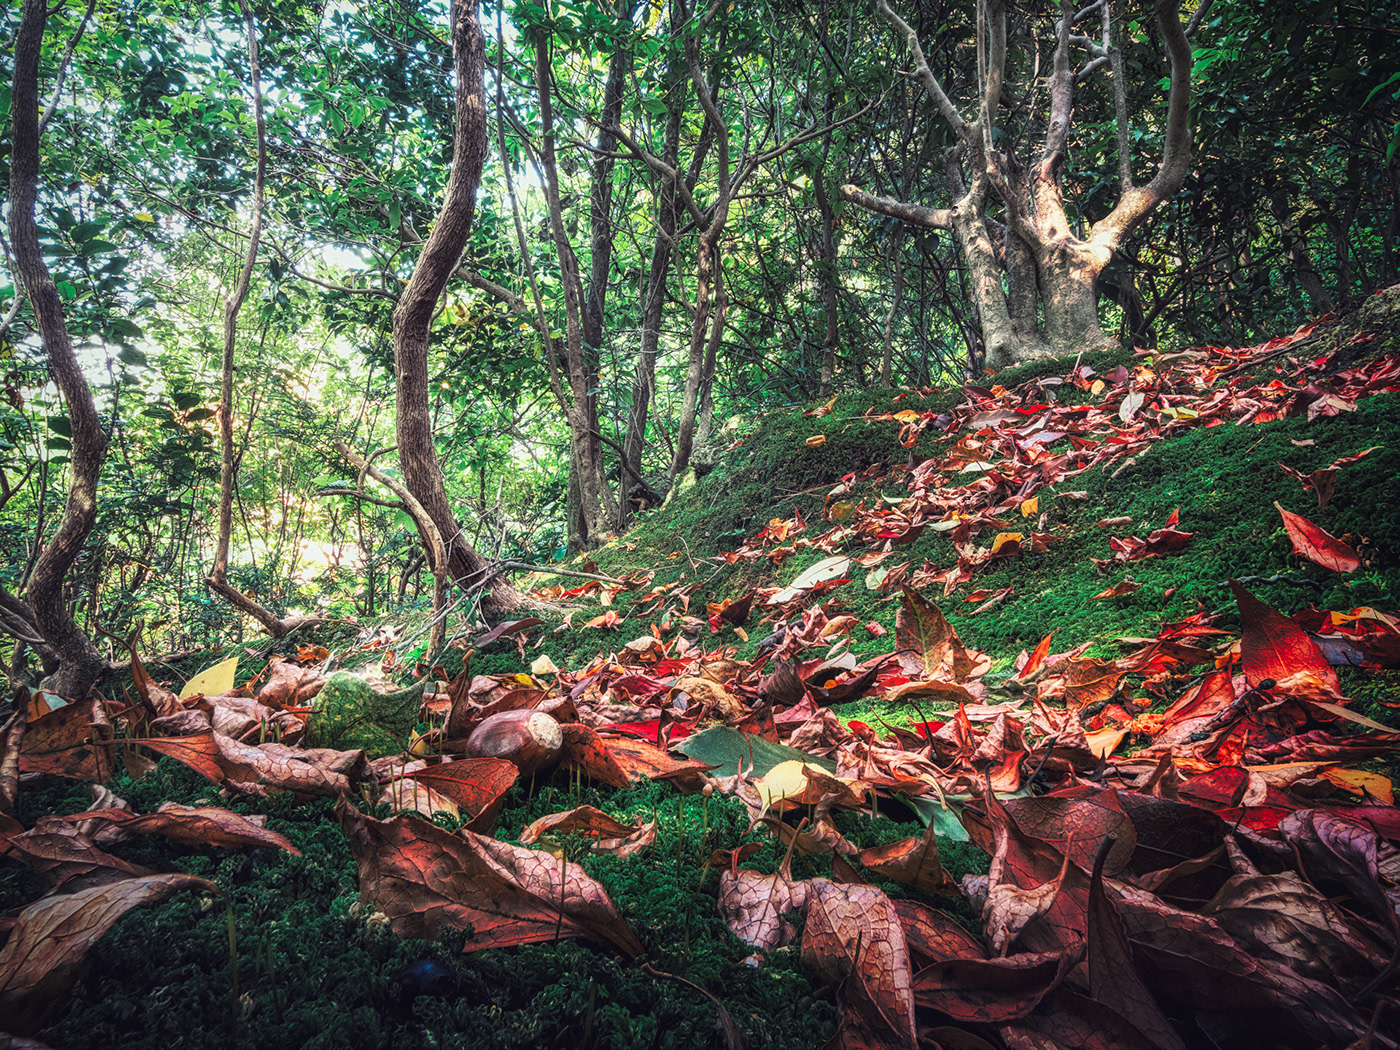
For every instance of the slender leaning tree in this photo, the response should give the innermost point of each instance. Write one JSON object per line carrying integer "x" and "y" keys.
{"x": 1031, "y": 269}
{"x": 413, "y": 317}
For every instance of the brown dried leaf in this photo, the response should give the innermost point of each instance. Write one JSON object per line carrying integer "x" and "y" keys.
{"x": 195, "y": 826}
{"x": 993, "y": 991}
{"x": 242, "y": 767}
{"x": 74, "y": 741}
{"x": 1280, "y": 917}
{"x": 64, "y": 858}
{"x": 581, "y": 820}
{"x": 424, "y": 878}
{"x": 39, "y": 962}
{"x": 853, "y": 939}
{"x": 11, "y": 738}
{"x": 290, "y": 685}
{"x": 753, "y": 906}
{"x": 911, "y": 862}
{"x": 1113, "y": 978}
{"x": 584, "y": 748}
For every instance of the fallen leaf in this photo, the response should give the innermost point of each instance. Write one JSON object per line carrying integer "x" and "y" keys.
{"x": 1274, "y": 647}
{"x": 39, "y": 962}
{"x": 424, "y": 878}
{"x": 212, "y": 681}
{"x": 853, "y": 939}
{"x": 1317, "y": 545}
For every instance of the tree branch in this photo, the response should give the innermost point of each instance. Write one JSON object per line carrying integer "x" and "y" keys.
{"x": 914, "y": 214}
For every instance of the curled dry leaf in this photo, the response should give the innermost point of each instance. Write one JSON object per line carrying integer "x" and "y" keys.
{"x": 62, "y": 857}
{"x": 581, "y": 820}
{"x": 242, "y": 767}
{"x": 11, "y": 738}
{"x": 424, "y": 878}
{"x": 912, "y": 862}
{"x": 755, "y": 906}
{"x": 994, "y": 991}
{"x": 39, "y": 962}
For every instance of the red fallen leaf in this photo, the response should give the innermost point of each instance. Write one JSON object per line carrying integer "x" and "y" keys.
{"x": 1033, "y": 663}
{"x": 1272, "y": 646}
{"x": 1118, "y": 590}
{"x": 477, "y": 786}
{"x": 1318, "y": 545}
{"x": 1067, "y": 1019}
{"x": 875, "y": 629}
{"x": 74, "y": 741}
{"x": 853, "y": 939}
{"x": 608, "y": 620}
{"x": 39, "y": 963}
{"x": 424, "y": 878}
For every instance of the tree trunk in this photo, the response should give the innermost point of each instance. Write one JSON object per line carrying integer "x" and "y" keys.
{"x": 79, "y": 664}
{"x": 218, "y": 577}
{"x": 422, "y": 474}
{"x": 1033, "y": 281}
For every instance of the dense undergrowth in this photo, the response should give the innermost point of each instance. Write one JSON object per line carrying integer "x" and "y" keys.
{"x": 287, "y": 957}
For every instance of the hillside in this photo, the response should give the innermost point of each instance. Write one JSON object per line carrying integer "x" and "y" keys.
{"x": 1153, "y": 603}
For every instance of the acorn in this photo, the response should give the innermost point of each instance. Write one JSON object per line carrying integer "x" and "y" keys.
{"x": 530, "y": 739}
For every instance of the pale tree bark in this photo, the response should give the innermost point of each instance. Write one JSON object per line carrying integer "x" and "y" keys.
{"x": 277, "y": 627}
{"x": 422, "y": 473}
{"x": 79, "y": 663}
{"x": 1032, "y": 276}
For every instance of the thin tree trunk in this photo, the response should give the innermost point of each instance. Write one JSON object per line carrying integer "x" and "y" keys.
{"x": 79, "y": 663}
{"x": 422, "y": 473}
{"x": 218, "y": 578}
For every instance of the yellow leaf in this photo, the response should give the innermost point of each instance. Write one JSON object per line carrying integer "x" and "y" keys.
{"x": 1358, "y": 781}
{"x": 1097, "y": 388}
{"x": 1003, "y": 538}
{"x": 214, "y": 681}
{"x": 542, "y": 665}
{"x": 816, "y": 441}
{"x": 782, "y": 781}
{"x": 907, "y": 416}
{"x": 1030, "y": 507}
{"x": 145, "y": 216}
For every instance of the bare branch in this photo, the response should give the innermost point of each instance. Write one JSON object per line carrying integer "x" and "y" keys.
{"x": 922, "y": 71}
{"x": 914, "y": 214}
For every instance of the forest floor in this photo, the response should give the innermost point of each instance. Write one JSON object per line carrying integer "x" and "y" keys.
{"x": 1053, "y": 712}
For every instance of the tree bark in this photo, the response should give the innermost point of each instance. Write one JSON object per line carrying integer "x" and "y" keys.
{"x": 413, "y": 317}
{"x": 79, "y": 664}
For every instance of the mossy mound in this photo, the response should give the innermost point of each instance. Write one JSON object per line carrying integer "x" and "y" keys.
{"x": 349, "y": 714}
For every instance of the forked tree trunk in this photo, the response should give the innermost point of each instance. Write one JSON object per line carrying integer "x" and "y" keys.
{"x": 422, "y": 473}
{"x": 79, "y": 664}
{"x": 1032, "y": 277}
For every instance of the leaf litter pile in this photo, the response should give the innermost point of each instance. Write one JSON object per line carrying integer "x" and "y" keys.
{"x": 1185, "y": 847}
